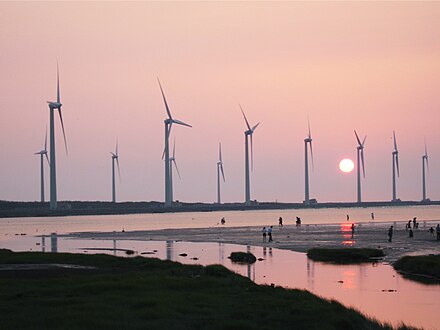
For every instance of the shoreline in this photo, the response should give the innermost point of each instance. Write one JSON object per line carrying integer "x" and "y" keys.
{"x": 10, "y": 209}
{"x": 299, "y": 239}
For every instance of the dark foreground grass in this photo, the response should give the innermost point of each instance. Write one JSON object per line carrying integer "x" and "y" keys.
{"x": 141, "y": 293}
{"x": 344, "y": 256}
{"x": 420, "y": 266}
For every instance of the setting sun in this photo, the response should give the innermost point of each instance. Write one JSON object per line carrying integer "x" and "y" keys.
{"x": 346, "y": 165}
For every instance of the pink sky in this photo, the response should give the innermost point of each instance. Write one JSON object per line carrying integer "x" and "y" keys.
{"x": 373, "y": 67}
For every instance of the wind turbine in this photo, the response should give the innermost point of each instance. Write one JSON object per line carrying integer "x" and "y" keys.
{"x": 248, "y": 134}
{"x": 115, "y": 157}
{"x": 43, "y": 153}
{"x": 173, "y": 161}
{"x": 395, "y": 166}
{"x": 166, "y": 154}
{"x": 424, "y": 160}
{"x": 360, "y": 159}
{"x": 219, "y": 169}
{"x": 53, "y": 176}
{"x": 306, "y": 142}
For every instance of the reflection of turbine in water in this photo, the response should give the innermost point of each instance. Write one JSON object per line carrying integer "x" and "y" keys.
{"x": 54, "y": 242}
{"x": 170, "y": 250}
{"x": 114, "y": 247}
{"x": 43, "y": 243}
{"x": 310, "y": 274}
{"x": 221, "y": 252}
{"x": 250, "y": 267}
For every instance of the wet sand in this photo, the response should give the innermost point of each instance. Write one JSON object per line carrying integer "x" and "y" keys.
{"x": 301, "y": 239}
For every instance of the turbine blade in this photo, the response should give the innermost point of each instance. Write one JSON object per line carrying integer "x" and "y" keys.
{"x": 62, "y": 126}
{"x": 47, "y": 158}
{"x": 427, "y": 164}
{"x": 180, "y": 123}
{"x": 397, "y": 164}
{"x": 252, "y": 154}
{"x": 116, "y": 148}
{"x": 58, "y": 84}
{"x": 311, "y": 154}
{"x": 245, "y": 119}
{"x": 220, "y": 152}
{"x": 395, "y": 143}
{"x": 119, "y": 171}
{"x": 363, "y": 163}
{"x": 223, "y": 174}
{"x": 255, "y": 127}
{"x": 426, "y": 149}
{"x": 308, "y": 123}
{"x": 174, "y": 148}
{"x": 177, "y": 169}
{"x": 363, "y": 142}
{"x": 164, "y": 100}
{"x": 45, "y": 140}
{"x": 357, "y": 138}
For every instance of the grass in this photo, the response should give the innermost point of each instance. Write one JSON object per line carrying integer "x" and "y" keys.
{"x": 420, "y": 266}
{"x": 345, "y": 255}
{"x": 144, "y": 293}
{"x": 243, "y": 257}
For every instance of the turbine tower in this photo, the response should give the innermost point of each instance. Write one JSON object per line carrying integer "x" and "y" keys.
{"x": 424, "y": 160}
{"x": 360, "y": 159}
{"x": 173, "y": 161}
{"x": 43, "y": 153}
{"x": 306, "y": 142}
{"x": 115, "y": 157}
{"x": 53, "y": 176}
{"x": 395, "y": 166}
{"x": 219, "y": 169}
{"x": 248, "y": 135}
{"x": 166, "y": 154}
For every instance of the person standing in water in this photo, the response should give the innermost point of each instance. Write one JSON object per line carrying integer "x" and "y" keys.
{"x": 264, "y": 234}
{"x": 352, "y": 230}
{"x": 372, "y": 215}
{"x": 390, "y": 234}
{"x": 348, "y": 217}
{"x": 269, "y": 233}
{"x": 280, "y": 222}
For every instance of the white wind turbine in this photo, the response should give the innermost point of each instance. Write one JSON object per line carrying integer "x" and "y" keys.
{"x": 53, "y": 176}
{"x": 250, "y": 131}
{"x": 424, "y": 160}
{"x": 395, "y": 166}
{"x": 43, "y": 153}
{"x": 219, "y": 169}
{"x": 173, "y": 161}
{"x": 306, "y": 142}
{"x": 115, "y": 157}
{"x": 166, "y": 154}
{"x": 360, "y": 159}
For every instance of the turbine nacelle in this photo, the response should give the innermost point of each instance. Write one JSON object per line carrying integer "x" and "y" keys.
{"x": 54, "y": 105}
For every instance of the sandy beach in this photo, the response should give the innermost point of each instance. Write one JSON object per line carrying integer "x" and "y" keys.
{"x": 301, "y": 239}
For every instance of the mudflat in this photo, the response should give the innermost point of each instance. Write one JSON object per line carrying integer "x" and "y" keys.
{"x": 301, "y": 239}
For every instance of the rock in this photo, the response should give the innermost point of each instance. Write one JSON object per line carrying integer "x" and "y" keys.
{"x": 183, "y": 254}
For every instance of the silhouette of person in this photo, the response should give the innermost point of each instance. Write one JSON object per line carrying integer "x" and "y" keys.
{"x": 437, "y": 229}
{"x": 264, "y": 234}
{"x": 372, "y": 216}
{"x": 352, "y": 230}
{"x": 223, "y": 221}
{"x": 390, "y": 234}
{"x": 431, "y": 230}
{"x": 408, "y": 226}
{"x": 348, "y": 217}
{"x": 414, "y": 222}
{"x": 280, "y": 221}
{"x": 269, "y": 233}
{"x": 411, "y": 233}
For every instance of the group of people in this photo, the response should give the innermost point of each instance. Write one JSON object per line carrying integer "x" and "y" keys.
{"x": 437, "y": 230}
{"x": 267, "y": 232}
{"x": 415, "y": 225}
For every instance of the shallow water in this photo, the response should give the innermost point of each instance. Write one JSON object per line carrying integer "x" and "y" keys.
{"x": 129, "y": 222}
{"x": 374, "y": 289}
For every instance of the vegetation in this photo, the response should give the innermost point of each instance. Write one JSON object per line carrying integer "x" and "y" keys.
{"x": 243, "y": 257}
{"x": 345, "y": 255}
{"x": 143, "y": 293}
{"x": 420, "y": 266}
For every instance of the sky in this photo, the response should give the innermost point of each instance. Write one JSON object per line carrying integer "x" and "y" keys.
{"x": 369, "y": 66}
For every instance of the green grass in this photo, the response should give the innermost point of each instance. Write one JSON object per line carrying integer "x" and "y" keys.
{"x": 420, "y": 266}
{"x": 143, "y": 293}
{"x": 345, "y": 255}
{"x": 243, "y": 257}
